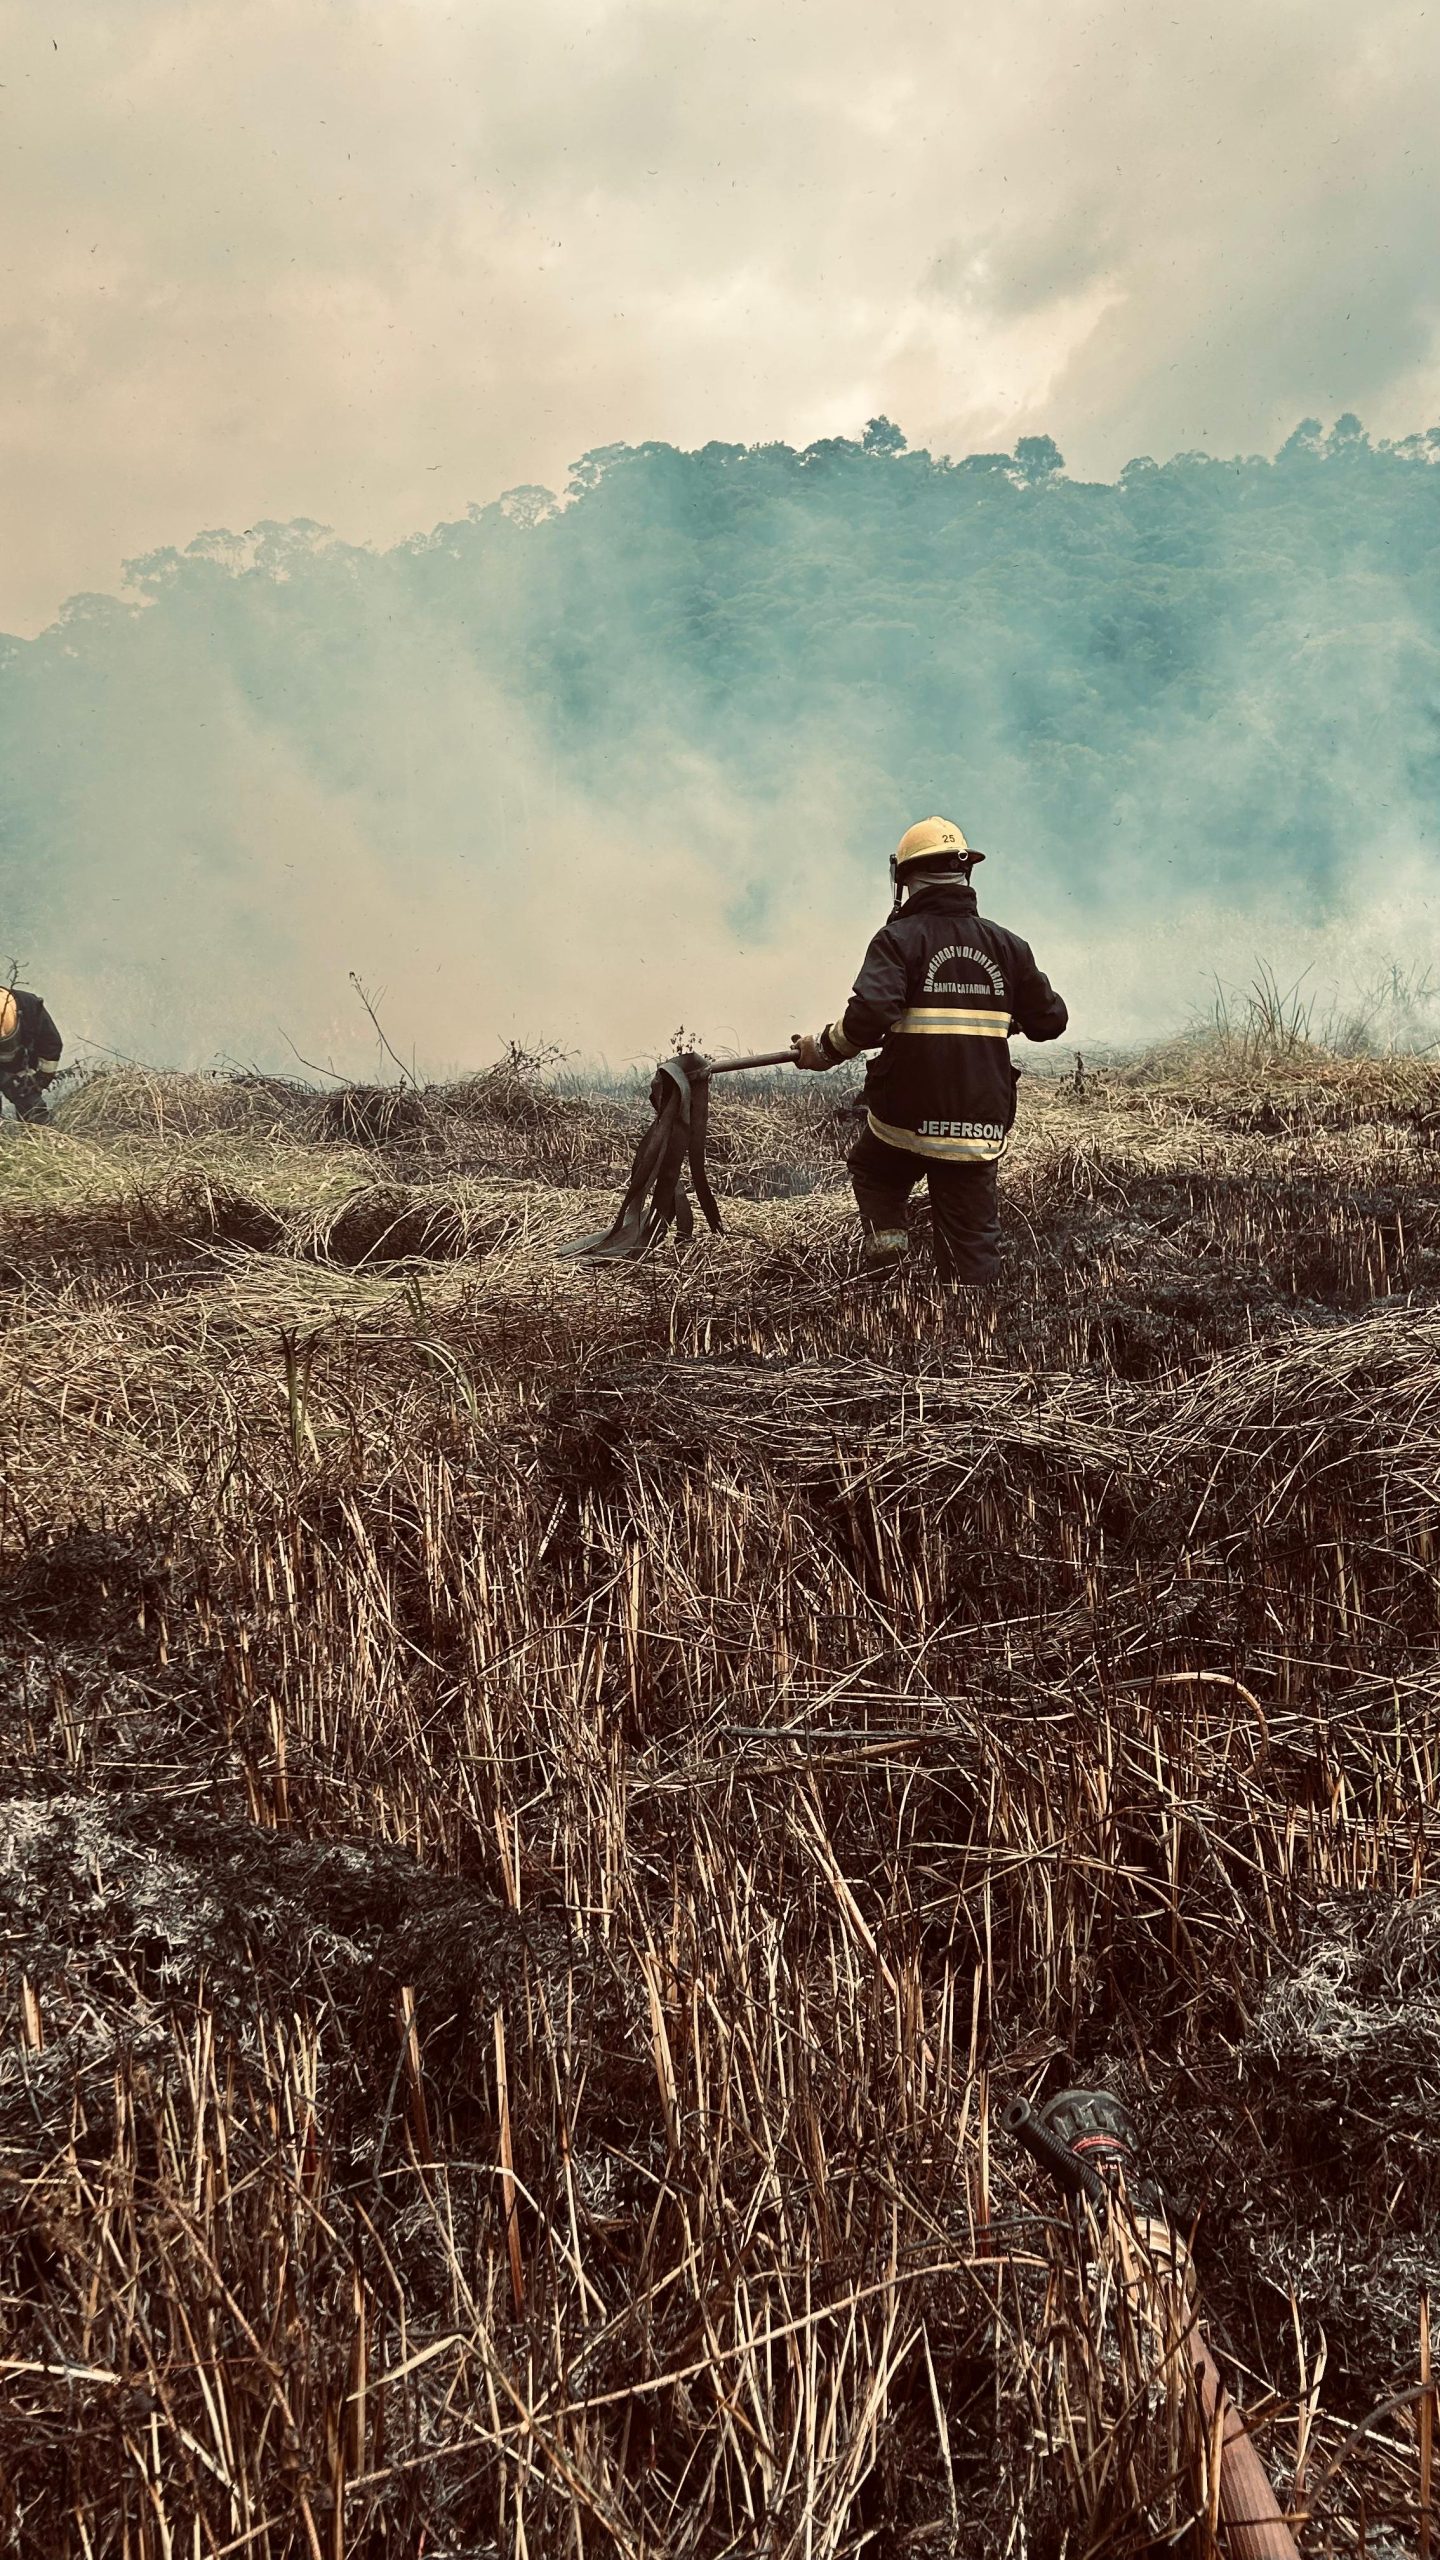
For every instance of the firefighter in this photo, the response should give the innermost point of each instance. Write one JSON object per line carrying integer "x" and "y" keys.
{"x": 939, "y": 994}
{"x": 30, "y": 1049}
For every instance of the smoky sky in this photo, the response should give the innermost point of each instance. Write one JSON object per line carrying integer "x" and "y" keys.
{"x": 367, "y": 261}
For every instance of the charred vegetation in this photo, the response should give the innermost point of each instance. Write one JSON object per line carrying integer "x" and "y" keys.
{"x": 547, "y": 1813}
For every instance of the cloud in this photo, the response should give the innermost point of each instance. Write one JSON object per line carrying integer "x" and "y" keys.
{"x": 366, "y": 260}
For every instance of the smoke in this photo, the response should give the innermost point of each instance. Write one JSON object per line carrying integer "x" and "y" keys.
{"x": 518, "y": 911}
{"x": 225, "y": 878}
{"x": 579, "y": 776}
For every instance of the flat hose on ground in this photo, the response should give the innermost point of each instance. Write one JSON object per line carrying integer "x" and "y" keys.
{"x": 1084, "y": 2138}
{"x": 1252, "y": 2521}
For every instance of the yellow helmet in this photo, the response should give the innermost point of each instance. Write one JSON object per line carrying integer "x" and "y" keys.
{"x": 932, "y": 835}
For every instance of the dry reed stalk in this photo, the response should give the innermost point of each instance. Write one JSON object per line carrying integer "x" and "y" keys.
{"x": 1425, "y": 2428}
{"x": 508, "y": 2200}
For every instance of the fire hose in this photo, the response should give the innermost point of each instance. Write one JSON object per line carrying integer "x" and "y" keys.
{"x": 655, "y": 1197}
{"x": 1086, "y": 2140}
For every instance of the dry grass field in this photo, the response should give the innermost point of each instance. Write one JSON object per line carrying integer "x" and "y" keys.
{"x": 548, "y": 1812}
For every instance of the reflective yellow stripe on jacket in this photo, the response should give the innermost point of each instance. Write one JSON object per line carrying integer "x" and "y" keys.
{"x": 954, "y": 1022}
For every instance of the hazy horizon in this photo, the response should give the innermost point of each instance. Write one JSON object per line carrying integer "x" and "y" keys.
{"x": 574, "y": 774}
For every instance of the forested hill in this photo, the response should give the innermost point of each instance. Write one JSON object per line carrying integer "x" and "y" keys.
{"x": 1212, "y": 680}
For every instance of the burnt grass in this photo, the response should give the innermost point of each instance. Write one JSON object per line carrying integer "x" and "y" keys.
{"x": 547, "y": 1814}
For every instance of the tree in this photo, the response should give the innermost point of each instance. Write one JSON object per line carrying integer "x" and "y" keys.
{"x": 1303, "y": 444}
{"x": 883, "y": 436}
{"x": 1347, "y": 436}
{"x": 830, "y": 452}
{"x": 590, "y": 470}
{"x": 528, "y": 505}
{"x": 1038, "y": 459}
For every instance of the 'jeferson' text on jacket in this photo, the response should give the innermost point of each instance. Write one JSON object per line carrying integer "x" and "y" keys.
{"x": 939, "y": 993}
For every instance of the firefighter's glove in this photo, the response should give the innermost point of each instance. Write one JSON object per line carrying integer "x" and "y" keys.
{"x": 810, "y": 1051}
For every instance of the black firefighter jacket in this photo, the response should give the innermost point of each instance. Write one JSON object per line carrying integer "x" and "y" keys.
{"x": 939, "y": 993}
{"x": 35, "y": 1042}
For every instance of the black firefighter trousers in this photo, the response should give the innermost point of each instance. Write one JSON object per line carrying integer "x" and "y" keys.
{"x": 26, "y": 1098}
{"x": 963, "y": 1203}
